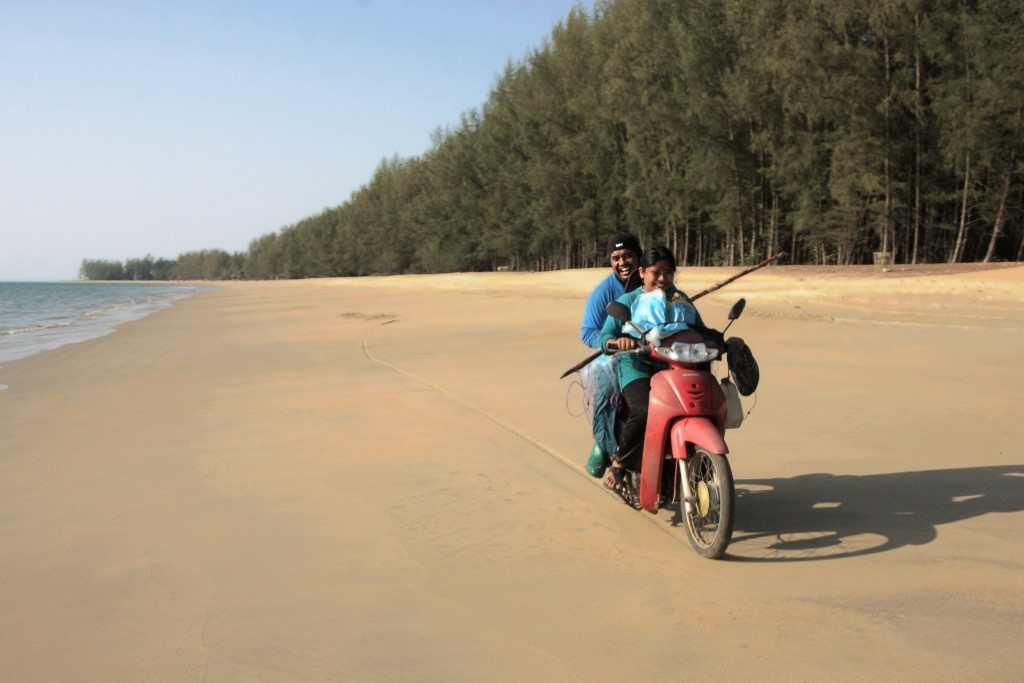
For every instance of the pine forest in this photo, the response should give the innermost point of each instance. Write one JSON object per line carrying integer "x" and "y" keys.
{"x": 840, "y": 132}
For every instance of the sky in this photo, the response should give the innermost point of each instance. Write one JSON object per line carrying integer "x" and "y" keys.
{"x": 129, "y": 128}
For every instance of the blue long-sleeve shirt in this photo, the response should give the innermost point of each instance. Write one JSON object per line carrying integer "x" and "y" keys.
{"x": 594, "y": 313}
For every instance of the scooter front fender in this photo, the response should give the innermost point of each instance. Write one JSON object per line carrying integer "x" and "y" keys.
{"x": 700, "y": 431}
{"x": 674, "y": 394}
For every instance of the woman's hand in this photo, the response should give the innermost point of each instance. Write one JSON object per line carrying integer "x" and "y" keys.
{"x": 625, "y": 343}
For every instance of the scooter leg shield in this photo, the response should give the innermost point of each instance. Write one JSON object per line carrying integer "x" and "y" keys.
{"x": 700, "y": 431}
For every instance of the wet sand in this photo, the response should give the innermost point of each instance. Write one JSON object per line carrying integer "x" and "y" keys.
{"x": 380, "y": 479}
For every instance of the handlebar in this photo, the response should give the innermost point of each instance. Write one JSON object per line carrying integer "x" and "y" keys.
{"x": 709, "y": 334}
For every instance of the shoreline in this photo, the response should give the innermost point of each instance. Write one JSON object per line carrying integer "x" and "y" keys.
{"x": 790, "y": 292}
{"x": 39, "y": 339}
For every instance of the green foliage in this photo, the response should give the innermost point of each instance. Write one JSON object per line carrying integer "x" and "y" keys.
{"x": 100, "y": 269}
{"x": 727, "y": 129}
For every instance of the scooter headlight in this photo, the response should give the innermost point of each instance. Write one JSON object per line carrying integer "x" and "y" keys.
{"x": 689, "y": 352}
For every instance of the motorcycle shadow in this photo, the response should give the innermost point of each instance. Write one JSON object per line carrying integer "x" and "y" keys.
{"x": 824, "y": 516}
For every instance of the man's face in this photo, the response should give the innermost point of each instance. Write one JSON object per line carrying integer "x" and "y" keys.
{"x": 623, "y": 264}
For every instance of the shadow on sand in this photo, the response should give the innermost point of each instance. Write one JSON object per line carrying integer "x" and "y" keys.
{"x": 824, "y": 516}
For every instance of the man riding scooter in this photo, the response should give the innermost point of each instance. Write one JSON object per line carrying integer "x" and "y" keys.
{"x": 657, "y": 273}
{"x": 624, "y": 257}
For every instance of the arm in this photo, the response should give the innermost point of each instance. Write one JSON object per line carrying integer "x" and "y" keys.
{"x": 594, "y": 316}
{"x": 612, "y": 329}
{"x": 612, "y": 337}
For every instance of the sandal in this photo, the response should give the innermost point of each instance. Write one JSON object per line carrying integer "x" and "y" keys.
{"x": 619, "y": 481}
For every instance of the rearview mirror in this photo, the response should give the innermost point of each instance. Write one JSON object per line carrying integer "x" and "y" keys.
{"x": 619, "y": 311}
{"x": 737, "y": 309}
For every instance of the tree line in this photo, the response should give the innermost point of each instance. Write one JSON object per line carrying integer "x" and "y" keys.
{"x": 208, "y": 264}
{"x": 726, "y": 129}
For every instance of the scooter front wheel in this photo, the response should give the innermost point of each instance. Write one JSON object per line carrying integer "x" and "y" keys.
{"x": 713, "y": 499}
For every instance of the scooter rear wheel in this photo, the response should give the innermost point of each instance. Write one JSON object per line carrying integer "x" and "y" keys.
{"x": 709, "y": 521}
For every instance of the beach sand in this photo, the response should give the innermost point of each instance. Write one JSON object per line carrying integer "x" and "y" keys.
{"x": 380, "y": 479}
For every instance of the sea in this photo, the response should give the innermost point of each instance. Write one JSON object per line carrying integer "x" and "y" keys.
{"x": 39, "y": 316}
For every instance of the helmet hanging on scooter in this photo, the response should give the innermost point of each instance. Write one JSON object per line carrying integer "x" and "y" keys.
{"x": 742, "y": 365}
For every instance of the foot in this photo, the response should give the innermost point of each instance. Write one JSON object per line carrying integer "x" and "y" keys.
{"x": 620, "y": 481}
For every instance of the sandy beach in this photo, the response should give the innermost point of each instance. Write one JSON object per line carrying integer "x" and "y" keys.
{"x": 380, "y": 479}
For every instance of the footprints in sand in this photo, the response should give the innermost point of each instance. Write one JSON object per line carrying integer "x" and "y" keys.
{"x": 382, "y": 318}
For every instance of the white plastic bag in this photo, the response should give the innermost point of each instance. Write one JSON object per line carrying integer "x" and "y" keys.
{"x": 734, "y": 417}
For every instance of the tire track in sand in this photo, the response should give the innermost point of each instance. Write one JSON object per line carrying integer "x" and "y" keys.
{"x": 515, "y": 431}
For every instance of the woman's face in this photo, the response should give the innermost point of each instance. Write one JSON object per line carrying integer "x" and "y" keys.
{"x": 658, "y": 275}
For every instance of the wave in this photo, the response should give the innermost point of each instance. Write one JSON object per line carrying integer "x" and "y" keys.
{"x": 11, "y": 331}
{"x": 133, "y": 305}
{"x": 102, "y": 311}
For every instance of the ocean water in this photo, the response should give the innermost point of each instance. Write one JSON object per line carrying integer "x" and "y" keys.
{"x": 39, "y": 316}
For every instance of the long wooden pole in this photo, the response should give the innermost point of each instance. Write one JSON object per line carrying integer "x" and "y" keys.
{"x": 714, "y": 288}
{"x": 738, "y": 275}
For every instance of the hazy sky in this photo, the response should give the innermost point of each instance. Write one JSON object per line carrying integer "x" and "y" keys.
{"x": 134, "y": 127}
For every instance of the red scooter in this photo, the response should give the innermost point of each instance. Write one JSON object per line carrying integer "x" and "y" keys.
{"x": 688, "y": 413}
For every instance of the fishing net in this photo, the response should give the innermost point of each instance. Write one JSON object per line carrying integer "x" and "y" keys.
{"x": 601, "y": 399}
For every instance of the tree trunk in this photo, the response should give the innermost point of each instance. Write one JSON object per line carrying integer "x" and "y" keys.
{"x": 1001, "y": 213}
{"x": 675, "y": 239}
{"x": 958, "y": 247}
{"x": 757, "y": 204}
{"x": 739, "y": 214}
{"x": 908, "y": 243}
{"x": 686, "y": 240}
{"x": 739, "y": 227}
{"x": 917, "y": 136}
{"x": 887, "y": 207}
